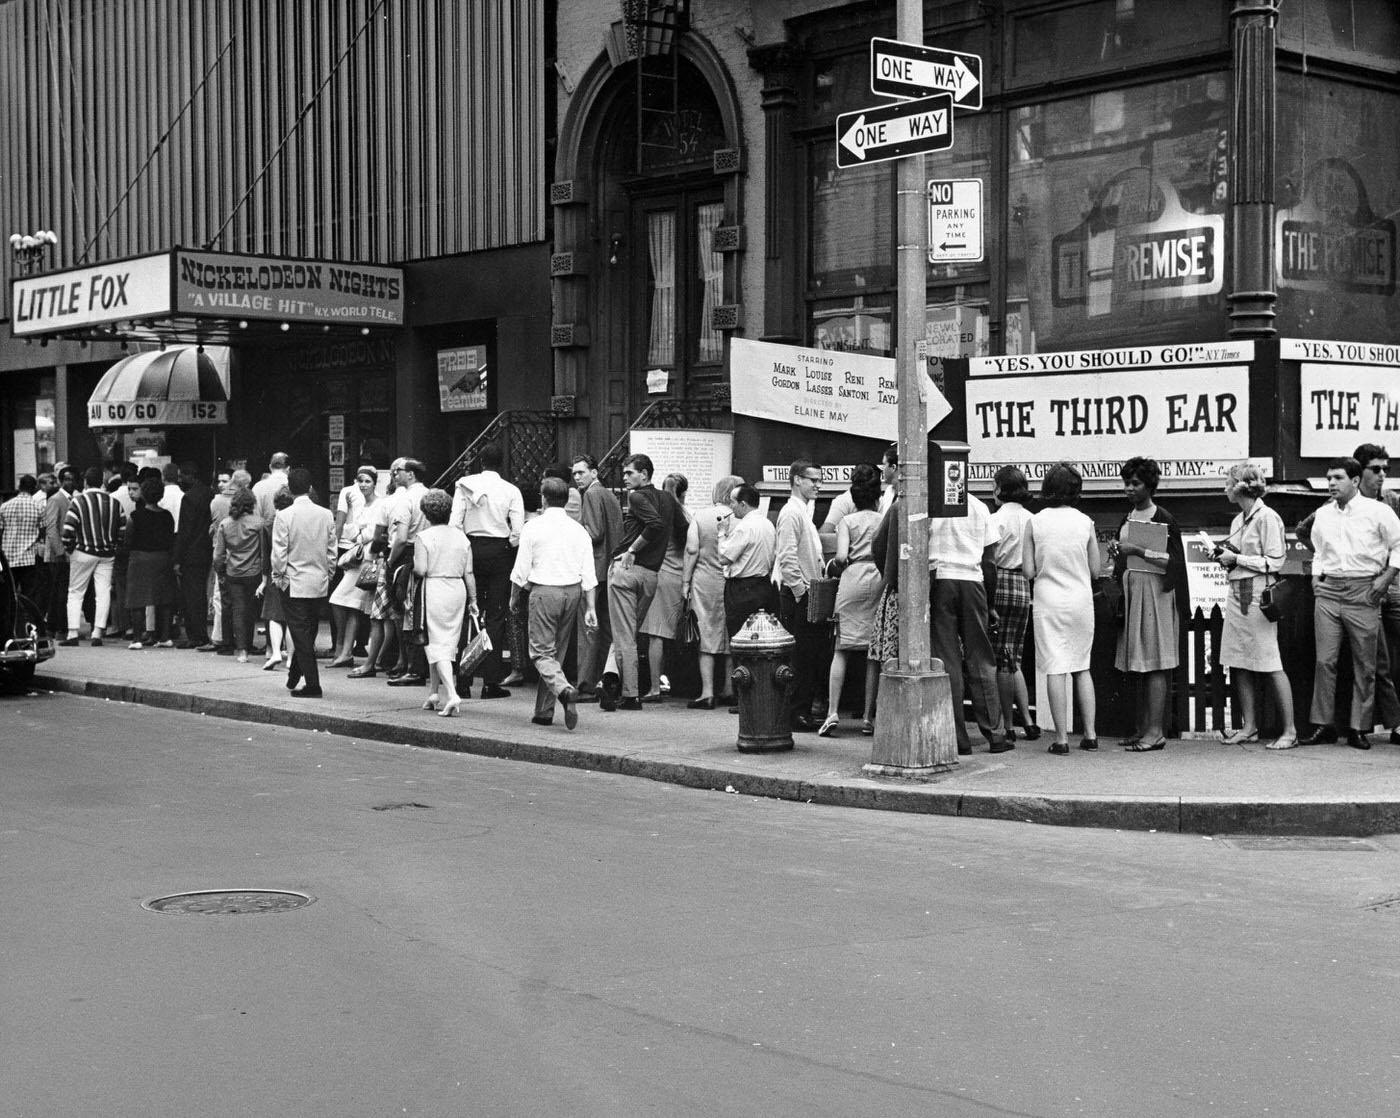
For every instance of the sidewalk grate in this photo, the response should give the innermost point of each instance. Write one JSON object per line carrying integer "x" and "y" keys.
{"x": 229, "y": 902}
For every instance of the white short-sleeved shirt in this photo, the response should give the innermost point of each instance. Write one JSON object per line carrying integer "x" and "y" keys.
{"x": 956, "y": 543}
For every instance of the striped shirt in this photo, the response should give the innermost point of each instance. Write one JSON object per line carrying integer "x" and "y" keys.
{"x": 94, "y": 524}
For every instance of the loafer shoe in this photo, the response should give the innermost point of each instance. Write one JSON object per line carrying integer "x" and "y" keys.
{"x": 631, "y": 702}
{"x": 1357, "y": 740}
{"x": 587, "y": 697}
{"x": 1395, "y": 737}
{"x": 408, "y": 681}
{"x": 701, "y": 704}
{"x": 1006, "y": 745}
{"x": 68, "y": 642}
{"x": 494, "y": 691}
{"x": 1319, "y": 735}
{"x": 542, "y": 720}
{"x": 307, "y": 693}
{"x": 569, "y": 700}
{"x": 802, "y": 725}
{"x": 96, "y": 642}
{"x": 1089, "y": 744}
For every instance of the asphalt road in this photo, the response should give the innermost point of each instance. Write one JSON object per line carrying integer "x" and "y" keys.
{"x": 540, "y": 941}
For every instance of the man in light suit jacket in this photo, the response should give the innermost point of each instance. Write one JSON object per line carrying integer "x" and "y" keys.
{"x": 303, "y": 556}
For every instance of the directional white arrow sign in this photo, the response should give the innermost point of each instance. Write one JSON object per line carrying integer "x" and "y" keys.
{"x": 910, "y": 70}
{"x": 893, "y": 131}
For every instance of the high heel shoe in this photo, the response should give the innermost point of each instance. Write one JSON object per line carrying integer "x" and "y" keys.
{"x": 449, "y": 708}
{"x": 430, "y": 703}
{"x": 828, "y": 728}
{"x": 272, "y": 664}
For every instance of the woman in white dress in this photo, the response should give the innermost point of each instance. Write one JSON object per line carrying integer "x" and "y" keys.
{"x": 1060, "y": 555}
{"x": 1252, "y": 552}
{"x": 857, "y": 595}
{"x": 442, "y": 560}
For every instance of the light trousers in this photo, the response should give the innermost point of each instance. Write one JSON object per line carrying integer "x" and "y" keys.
{"x": 1341, "y": 606}
{"x": 630, "y": 591}
{"x": 554, "y": 611}
{"x": 83, "y": 569}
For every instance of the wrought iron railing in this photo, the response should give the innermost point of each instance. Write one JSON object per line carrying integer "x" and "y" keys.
{"x": 529, "y": 440}
{"x": 675, "y": 414}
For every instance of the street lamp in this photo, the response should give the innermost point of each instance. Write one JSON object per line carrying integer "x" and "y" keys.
{"x": 28, "y": 249}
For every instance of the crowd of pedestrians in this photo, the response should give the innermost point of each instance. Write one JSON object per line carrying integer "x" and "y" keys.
{"x": 593, "y": 589}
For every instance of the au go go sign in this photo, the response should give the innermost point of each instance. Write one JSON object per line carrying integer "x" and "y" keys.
{"x": 157, "y": 413}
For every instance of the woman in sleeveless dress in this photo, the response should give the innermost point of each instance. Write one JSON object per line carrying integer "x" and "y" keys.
{"x": 442, "y": 561}
{"x": 856, "y": 597}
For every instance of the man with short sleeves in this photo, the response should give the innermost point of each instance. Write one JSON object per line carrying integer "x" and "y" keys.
{"x": 748, "y": 545}
{"x": 962, "y": 573}
{"x": 797, "y": 562}
{"x": 22, "y": 535}
{"x": 303, "y": 553}
{"x": 554, "y": 565}
{"x": 601, "y": 517}
{"x": 491, "y": 511}
{"x": 1356, "y": 555}
{"x": 91, "y": 533}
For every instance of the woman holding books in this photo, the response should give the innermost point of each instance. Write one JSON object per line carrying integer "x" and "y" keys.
{"x": 1150, "y": 561}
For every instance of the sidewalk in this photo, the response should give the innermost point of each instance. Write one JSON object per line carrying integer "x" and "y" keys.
{"x": 1197, "y": 787}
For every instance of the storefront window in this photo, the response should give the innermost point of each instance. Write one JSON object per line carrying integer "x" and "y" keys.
{"x": 1366, "y": 32}
{"x": 852, "y": 223}
{"x": 858, "y": 324}
{"x": 1338, "y": 192}
{"x": 1117, "y": 207}
{"x": 1099, "y": 34}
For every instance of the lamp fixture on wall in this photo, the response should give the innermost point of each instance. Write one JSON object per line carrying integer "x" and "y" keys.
{"x": 614, "y": 244}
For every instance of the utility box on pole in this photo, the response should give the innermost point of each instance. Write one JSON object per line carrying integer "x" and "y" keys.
{"x": 947, "y": 478}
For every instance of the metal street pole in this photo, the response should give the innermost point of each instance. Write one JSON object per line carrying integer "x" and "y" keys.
{"x": 914, "y": 730}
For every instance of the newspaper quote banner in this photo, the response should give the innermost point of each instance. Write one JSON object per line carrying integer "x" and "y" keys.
{"x": 828, "y": 389}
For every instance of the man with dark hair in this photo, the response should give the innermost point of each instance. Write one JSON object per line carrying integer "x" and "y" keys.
{"x": 798, "y": 559}
{"x": 491, "y": 511}
{"x": 22, "y": 535}
{"x": 555, "y": 566}
{"x": 646, "y": 526}
{"x": 55, "y": 559}
{"x": 90, "y": 536}
{"x": 601, "y": 517}
{"x": 303, "y": 552}
{"x": 1356, "y": 555}
{"x": 747, "y": 545}
{"x": 406, "y": 520}
{"x": 194, "y": 555}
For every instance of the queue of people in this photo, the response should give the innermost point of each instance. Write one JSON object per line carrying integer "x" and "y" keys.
{"x": 599, "y": 587}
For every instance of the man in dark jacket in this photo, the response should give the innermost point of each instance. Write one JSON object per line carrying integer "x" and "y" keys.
{"x": 194, "y": 554}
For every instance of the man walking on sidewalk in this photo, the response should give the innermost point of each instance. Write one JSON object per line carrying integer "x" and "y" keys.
{"x": 555, "y": 564}
{"x": 303, "y": 553}
{"x": 90, "y": 534}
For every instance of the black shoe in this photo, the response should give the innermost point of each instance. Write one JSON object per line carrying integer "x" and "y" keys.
{"x": 1059, "y": 748}
{"x": 607, "y": 697}
{"x": 1357, "y": 740}
{"x": 225, "y": 650}
{"x": 307, "y": 693}
{"x": 1032, "y": 732}
{"x": 1319, "y": 735}
{"x": 964, "y": 750}
{"x": 802, "y": 725}
{"x": 96, "y": 642}
{"x": 701, "y": 704}
{"x": 631, "y": 702}
{"x": 1395, "y": 737}
{"x": 1089, "y": 744}
{"x": 68, "y": 642}
{"x": 184, "y": 644}
{"x": 1003, "y": 746}
{"x": 292, "y": 682}
{"x": 587, "y": 697}
{"x": 494, "y": 691}
{"x": 542, "y": 720}
{"x": 408, "y": 681}
{"x": 569, "y": 699}
{"x": 207, "y": 646}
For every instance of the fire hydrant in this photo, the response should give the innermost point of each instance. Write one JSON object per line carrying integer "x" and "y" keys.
{"x": 762, "y": 678}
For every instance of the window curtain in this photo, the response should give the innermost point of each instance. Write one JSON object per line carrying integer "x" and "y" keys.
{"x": 661, "y": 248}
{"x": 712, "y": 276}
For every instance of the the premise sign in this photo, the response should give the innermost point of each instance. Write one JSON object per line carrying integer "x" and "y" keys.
{"x": 227, "y": 286}
{"x": 1102, "y": 407}
{"x": 58, "y": 301}
{"x": 1349, "y": 394}
{"x": 828, "y": 389}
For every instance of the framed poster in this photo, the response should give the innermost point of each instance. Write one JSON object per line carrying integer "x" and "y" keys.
{"x": 462, "y": 378}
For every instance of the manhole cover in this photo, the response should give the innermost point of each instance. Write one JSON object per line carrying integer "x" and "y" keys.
{"x": 229, "y": 902}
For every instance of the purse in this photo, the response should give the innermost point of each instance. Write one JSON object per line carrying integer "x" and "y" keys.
{"x": 690, "y": 628}
{"x": 1276, "y": 602}
{"x": 477, "y": 647}
{"x": 353, "y": 557}
{"x": 821, "y": 597}
{"x": 369, "y": 573}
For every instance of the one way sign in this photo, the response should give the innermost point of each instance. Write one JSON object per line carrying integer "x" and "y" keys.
{"x": 893, "y": 131}
{"x": 910, "y": 70}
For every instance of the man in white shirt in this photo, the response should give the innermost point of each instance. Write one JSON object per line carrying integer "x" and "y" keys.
{"x": 798, "y": 560}
{"x": 266, "y": 488}
{"x": 747, "y": 545}
{"x": 1356, "y": 554}
{"x": 491, "y": 511}
{"x": 962, "y": 574}
{"x": 303, "y": 553}
{"x": 554, "y": 565}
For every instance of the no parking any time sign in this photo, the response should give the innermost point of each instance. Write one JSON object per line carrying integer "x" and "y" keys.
{"x": 955, "y": 221}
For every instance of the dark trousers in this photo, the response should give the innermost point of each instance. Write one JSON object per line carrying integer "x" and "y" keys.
{"x": 194, "y": 597}
{"x": 55, "y": 606}
{"x": 492, "y": 560}
{"x": 743, "y": 597}
{"x": 811, "y": 639}
{"x": 303, "y": 621}
{"x": 958, "y": 621}
{"x": 593, "y": 644}
{"x": 240, "y": 602}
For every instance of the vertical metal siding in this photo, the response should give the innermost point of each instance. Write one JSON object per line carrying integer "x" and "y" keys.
{"x": 379, "y": 130}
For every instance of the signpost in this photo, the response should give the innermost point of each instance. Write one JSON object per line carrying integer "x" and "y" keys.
{"x": 954, "y": 221}
{"x": 910, "y": 70}
{"x": 894, "y": 131}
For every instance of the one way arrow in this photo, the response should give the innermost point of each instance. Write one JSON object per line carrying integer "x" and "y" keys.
{"x": 891, "y": 131}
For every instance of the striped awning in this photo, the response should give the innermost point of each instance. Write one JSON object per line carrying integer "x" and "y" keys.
{"x": 176, "y": 387}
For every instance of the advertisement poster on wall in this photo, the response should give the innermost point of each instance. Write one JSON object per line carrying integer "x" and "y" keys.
{"x": 462, "y": 378}
{"x": 1349, "y": 393}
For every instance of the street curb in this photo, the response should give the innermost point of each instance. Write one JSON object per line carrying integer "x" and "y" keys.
{"x": 1199, "y": 815}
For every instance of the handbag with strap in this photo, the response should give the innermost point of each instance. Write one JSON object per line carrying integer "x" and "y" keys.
{"x": 370, "y": 570}
{"x": 1276, "y": 602}
{"x": 821, "y": 597}
{"x": 477, "y": 648}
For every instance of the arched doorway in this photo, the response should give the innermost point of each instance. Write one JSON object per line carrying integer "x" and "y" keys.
{"x": 656, "y": 204}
